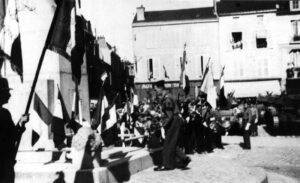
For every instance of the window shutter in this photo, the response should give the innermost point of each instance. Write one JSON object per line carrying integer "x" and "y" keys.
{"x": 156, "y": 68}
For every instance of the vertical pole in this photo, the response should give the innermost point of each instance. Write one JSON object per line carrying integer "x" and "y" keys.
{"x": 202, "y": 66}
{"x": 50, "y": 92}
{"x": 80, "y": 111}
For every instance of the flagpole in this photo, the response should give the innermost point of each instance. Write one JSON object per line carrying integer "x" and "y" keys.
{"x": 40, "y": 62}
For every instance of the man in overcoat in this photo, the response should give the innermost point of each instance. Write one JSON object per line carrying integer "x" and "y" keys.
{"x": 172, "y": 124}
{"x": 10, "y": 136}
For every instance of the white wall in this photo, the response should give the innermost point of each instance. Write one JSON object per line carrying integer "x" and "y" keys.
{"x": 165, "y": 43}
{"x": 249, "y": 62}
{"x": 34, "y": 27}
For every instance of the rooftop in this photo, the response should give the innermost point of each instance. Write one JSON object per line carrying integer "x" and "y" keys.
{"x": 227, "y": 7}
{"x": 175, "y": 15}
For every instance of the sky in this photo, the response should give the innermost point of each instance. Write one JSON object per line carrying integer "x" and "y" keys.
{"x": 113, "y": 18}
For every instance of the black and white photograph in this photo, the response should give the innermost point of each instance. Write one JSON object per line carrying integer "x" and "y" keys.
{"x": 149, "y": 91}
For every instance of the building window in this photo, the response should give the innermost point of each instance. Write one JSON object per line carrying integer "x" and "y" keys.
{"x": 261, "y": 42}
{"x": 295, "y": 4}
{"x": 296, "y": 30}
{"x": 150, "y": 68}
{"x": 236, "y": 41}
{"x": 260, "y": 19}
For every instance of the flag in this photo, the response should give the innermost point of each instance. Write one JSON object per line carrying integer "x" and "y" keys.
{"x": 35, "y": 136}
{"x": 208, "y": 87}
{"x": 110, "y": 119}
{"x": 135, "y": 100}
{"x": 220, "y": 85}
{"x": 184, "y": 79}
{"x": 108, "y": 114}
{"x": 58, "y": 127}
{"x": 101, "y": 104}
{"x": 61, "y": 33}
{"x": 186, "y": 87}
{"x": 196, "y": 91}
{"x": 220, "y": 90}
{"x": 60, "y": 118}
{"x": 10, "y": 38}
{"x": 65, "y": 114}
{"x": 78, "y": 50}
{"x": 139, "y": 131}
{"x": 44, "y": 114}
{"x": 42, "y": 110}
{"x": 73, "y": 124}
{"x": 2, "y": 15}
{"x": 166, "y": 74}
{"x": 99, "y": 111}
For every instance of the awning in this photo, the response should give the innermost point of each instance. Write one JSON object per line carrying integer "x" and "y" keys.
{"x": 252, "y": 88}
{"x": 295, "y": 50}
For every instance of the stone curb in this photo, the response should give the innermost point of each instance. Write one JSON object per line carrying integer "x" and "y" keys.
{"x": 117, "y": 170}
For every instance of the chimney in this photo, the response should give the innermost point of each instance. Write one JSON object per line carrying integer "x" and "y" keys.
{"x": 140, "y": 11}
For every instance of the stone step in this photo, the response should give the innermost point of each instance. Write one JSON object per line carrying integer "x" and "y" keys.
{"x": 119, "y": 165}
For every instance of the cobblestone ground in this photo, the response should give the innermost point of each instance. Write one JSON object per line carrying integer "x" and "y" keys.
{"x": 279, "y": 156}
{"x": 276, "y": 154}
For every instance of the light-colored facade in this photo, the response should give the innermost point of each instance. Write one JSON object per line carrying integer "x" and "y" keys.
{"x": 251, "y": 67}
{"x": 288, "y": 44}
{"x": 158, "y": 47}
{"x": 255, "y": 41}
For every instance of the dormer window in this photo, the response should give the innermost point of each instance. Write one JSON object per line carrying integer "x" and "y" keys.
{"x": 150, "y": 69}
{"x": 260, "y": 19}
{"x": 294, "y": 5}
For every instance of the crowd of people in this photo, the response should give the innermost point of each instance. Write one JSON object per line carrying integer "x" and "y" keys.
{"x": 181, "y": 127}
{"x": 187, "y": 126}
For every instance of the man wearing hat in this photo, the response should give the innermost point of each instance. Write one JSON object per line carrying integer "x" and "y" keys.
{"x": 10, "y": 135}
{"x": 172, "y": 124}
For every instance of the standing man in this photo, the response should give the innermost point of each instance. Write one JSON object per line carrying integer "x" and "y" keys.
{"x": 247, "y": 117}
{"x": 205, "y": 112}
{"x": 10, "y": 135}
{"x": 172, "y": 124}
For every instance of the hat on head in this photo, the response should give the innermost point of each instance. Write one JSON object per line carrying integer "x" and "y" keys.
{"x": 4, "y": 84}
{"x": 160, "y": 83}
{"x": 202, "y": 94}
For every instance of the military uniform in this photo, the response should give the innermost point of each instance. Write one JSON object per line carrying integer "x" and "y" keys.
{"x": 173, "y": 125}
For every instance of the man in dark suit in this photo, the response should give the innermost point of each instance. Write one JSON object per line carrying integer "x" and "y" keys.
{"x": 172, "y": 124}
{"x": 247, "y": 116}
{"x": 10, "y": 135}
